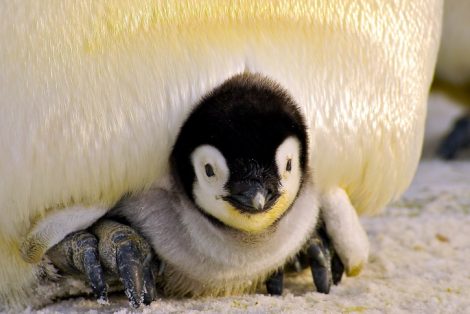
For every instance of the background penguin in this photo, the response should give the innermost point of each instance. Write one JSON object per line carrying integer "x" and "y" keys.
{"x": 92, "y": 96}
{"x": 453, "y": 73}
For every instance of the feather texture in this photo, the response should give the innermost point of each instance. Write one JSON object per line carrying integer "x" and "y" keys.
{"x": 190, "y": 244}
{"x": 92, "y": 94}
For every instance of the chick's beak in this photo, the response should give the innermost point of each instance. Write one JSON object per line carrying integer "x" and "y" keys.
{"x": 251, "y": 197}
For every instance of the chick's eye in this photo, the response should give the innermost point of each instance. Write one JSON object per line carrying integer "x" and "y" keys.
{"x": 209, "y": 170}
{"x": 289, "y": 165}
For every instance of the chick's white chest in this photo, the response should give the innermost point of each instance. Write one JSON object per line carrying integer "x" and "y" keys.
{"x": 204, "y": 258}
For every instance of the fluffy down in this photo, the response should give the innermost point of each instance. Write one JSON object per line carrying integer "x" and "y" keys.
{"x": 92, "y": 94}
{"x": 190, "y": 244}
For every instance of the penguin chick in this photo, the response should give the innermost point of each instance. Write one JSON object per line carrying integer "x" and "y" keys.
{"x": 238, "y": 203}
{"x": 226, "y": 218}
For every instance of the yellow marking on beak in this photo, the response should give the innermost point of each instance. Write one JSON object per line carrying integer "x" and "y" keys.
{"x": 258, "y": 222}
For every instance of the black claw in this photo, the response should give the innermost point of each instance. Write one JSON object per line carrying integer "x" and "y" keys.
{"x": 131, "y": 274}
{"x": 150, "y": 291}
{"x": 319, "y": 267}
{"x": 121, "y": 251}
{"x": 337, "y": 269}
{"x": 319, "y": 255}
{"x": 275, "y": 283}
{"x": 94, "y": 273}
{"x": 457, "y": 139}
{"x": 125, "y": 253}
{"x": 78, "y": 252}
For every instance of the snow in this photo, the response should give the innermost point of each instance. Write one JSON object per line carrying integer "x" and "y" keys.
{"x": 420, "y": 248}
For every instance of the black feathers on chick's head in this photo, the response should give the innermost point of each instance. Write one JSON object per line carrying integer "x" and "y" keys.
{"x": 246, "y": 119}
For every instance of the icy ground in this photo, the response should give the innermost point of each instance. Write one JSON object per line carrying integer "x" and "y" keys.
{"x": 420, "y": 252}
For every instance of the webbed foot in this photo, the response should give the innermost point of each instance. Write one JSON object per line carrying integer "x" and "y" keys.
{"x": 325, "y": 264}
{"x": 456, "y": 140}
{"x": 320, "y": 256}
{"x": 275, "y": 283}
{"x": 112, "y": 247}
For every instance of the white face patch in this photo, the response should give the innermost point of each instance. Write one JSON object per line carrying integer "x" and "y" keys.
{"x": 212, "y": 174}
{"x": 288, "y": 165}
